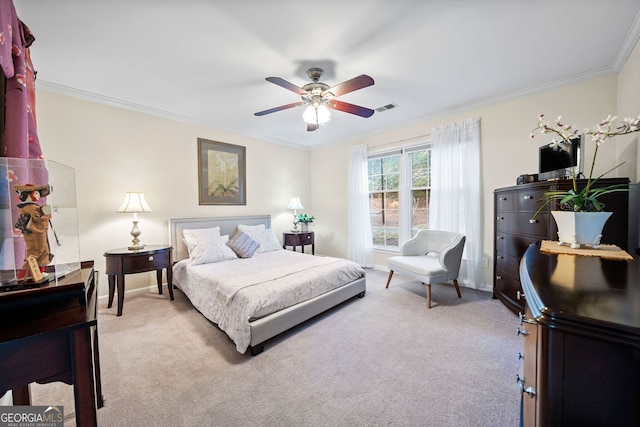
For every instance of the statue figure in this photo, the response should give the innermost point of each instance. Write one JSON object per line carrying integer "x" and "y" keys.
{"x": 34, "y": 223}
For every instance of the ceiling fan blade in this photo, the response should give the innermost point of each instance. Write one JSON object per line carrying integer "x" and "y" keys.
{"x": 350, "y": 108}
{"x": 312, "y": 127}
{"x": 280, "y": 108}
{"x": 350, "y": 85}
{"x": 285, "y": 84}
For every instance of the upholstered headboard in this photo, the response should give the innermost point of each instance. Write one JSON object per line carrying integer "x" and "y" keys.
{"x": 227, "y": 226}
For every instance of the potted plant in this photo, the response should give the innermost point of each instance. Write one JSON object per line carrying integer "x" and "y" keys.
{"x": 304, "y": 220}
{"x": 582, "y": 218}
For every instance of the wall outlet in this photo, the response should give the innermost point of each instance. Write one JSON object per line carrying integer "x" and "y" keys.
{"x": 485, "y": 262}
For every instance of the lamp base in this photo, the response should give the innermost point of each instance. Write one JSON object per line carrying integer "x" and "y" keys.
{"x": 135, "y": 243}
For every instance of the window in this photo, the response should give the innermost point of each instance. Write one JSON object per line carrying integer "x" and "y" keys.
{"x": 384, "y": 195}
{"x": 399, "y": 189}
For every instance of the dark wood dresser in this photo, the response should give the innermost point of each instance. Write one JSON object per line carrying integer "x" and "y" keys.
{"x": 49, "y": 333}
{"x": 515, "y": 230}
{"x": 581, "y": 330}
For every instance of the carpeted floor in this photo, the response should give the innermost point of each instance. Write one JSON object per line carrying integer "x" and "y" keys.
{"x": 383, "y": 360}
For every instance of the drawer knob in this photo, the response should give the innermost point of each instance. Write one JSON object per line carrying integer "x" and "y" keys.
{"x": 151, "y": 258}
{"x": 498, "y": 277}
{"x": 529, "y": 390}
{"x": 527, "y": 197}
{"x": 502, "y": 198}
{"x": 499, "y": 238}
{"x": 523, "y": 320}
{"x": 533, "y": 221}
{"x": 523, "y": 333}
{"x": 520, "y": 295}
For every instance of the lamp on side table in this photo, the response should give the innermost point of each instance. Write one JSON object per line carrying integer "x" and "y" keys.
{"x": 133, "y": 203}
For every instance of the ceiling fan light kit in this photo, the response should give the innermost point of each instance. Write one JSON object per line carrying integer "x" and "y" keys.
{"x": 319, "y": 98}
{"x": 318, "y": 115}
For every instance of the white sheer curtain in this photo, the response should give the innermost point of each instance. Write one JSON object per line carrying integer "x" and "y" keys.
{"x": 456, "y": 192}
{"x": 360, "y": 242}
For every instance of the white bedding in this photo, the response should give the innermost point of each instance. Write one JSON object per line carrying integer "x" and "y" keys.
{"x": 233, "y": 292}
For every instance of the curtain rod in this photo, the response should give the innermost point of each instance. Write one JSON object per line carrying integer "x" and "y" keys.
{"x": 400, "y": 141}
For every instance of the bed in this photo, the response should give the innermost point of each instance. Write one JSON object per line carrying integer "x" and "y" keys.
{"x": 255, "y": 298}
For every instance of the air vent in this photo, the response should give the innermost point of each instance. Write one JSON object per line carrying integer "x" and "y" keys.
{"x": 386, "y": 107}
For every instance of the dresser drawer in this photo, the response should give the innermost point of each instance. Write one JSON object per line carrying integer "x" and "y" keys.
{"x": 529, "y": 200}
{"x": 505, "y": 201}
{"x": 523, "y": 223}
{"x": 508, "y": 288}
{"x": 145, "y": 262}
{"x": 513, "y": 245}
{"x": 509, "y": 264}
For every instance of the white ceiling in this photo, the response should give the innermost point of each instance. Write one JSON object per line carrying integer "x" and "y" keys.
{"x": 205, "y": 62}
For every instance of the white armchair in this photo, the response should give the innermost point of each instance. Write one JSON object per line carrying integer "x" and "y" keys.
{"x": 431, "y": 256}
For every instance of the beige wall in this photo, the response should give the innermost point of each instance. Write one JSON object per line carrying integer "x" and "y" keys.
{"x": 507, "y": 150}
{"x": 114, "y": 150}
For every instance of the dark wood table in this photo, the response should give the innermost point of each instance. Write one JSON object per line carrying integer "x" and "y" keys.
{"x": 299, "y": 238}
{"x": 49, "y": 333}
{"x": 581, "y": 333}
{"x": 125, "y": 261}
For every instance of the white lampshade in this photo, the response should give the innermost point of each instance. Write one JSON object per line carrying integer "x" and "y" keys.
{"x": 294, "y": 203}
{"x": 134, "y": 202}
{"x": 316, "y": 115}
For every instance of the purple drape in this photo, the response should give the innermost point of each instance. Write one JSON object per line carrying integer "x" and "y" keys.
{"x": 21, "y": 138}
{"x": 24, "y": 163}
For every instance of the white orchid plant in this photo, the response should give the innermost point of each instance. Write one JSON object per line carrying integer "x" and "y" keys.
{"x": 586, "y": 199}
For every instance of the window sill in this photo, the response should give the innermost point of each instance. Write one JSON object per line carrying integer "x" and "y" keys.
{"x": 380, "y": 250}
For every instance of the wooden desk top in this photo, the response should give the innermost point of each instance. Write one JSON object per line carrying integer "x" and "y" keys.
{"x": 41, "y": 310}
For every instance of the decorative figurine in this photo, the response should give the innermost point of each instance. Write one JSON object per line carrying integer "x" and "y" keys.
{"x": 34, "y": 223}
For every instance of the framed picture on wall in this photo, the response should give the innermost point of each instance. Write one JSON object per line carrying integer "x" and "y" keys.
{"x": 221, "y": 174}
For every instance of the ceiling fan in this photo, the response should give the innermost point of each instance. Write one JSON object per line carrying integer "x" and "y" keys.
{"x": 320, "y": 97}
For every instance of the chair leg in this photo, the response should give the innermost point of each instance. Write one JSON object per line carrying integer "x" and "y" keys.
{"x": 455, "y": 282}
{"x": 389, "y": 279}
{"x": 428, "y": 295}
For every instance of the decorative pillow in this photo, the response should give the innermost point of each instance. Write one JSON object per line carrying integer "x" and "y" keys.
{"x": 265, "y": 237}
{"x": 207, "y": 251}
{"x": 243, "y": 245}
{"x": 200, "y": 233}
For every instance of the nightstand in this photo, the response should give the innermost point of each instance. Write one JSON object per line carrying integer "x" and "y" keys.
{"x": 124, "y": 261}
{"x": 299, "y": 238}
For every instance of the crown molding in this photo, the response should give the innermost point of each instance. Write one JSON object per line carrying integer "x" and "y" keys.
{"x": 629, "y": 43}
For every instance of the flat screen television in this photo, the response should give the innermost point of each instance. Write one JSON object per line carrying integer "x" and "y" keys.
{"x": 557, "y": 163}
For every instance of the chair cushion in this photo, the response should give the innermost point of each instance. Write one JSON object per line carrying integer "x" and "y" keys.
{"x": 423, "y": 268}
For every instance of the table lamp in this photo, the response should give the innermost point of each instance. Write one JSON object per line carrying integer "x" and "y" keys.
{"x": 134, "y": 203}
{"x": 294, "y": 204}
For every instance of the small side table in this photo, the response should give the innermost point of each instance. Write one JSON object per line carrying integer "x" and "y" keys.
{"x": 299, "y": 238}
{"x": 124, "y": 261}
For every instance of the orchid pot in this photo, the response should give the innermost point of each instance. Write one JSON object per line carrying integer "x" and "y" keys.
{"x": 579, "y": 229}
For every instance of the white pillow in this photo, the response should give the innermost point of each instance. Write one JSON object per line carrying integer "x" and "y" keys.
{"x": 266, "y": 237}
{"x": 207, "y": 251}
{"x": 248, "y": 229}
{"x": 200, "y": 233}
